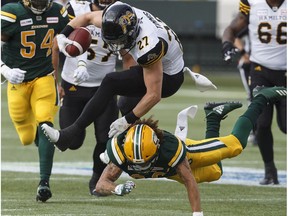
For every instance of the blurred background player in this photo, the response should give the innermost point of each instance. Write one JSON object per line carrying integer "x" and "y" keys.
{"x": 81, "y": 77}
{"x": 27, "y": 31}
{"x": 267, "y": 27}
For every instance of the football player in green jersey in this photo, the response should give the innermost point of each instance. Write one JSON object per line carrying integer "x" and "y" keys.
{"x": 145, "y": 151}
{"x": 27, "y": 31}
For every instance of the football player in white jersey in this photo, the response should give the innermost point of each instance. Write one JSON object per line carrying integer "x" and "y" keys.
{"x": 267, "y": 25}
{"x": 159, "y": 73}
{"x": 81, "y": 78}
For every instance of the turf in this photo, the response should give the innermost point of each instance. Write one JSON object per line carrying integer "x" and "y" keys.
{"x": 70, "y": 192}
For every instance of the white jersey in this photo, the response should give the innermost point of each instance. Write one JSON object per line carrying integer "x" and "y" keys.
{"x": 100, "y": 60}
{"x": 151, "y": 30}
{"x": 267, "y": 32}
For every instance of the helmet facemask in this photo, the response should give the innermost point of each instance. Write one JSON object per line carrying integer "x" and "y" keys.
{"x": 141, "y": 148}
{"x": 38, "y": 6}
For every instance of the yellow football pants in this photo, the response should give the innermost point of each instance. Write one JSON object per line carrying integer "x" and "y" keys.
{"x": 203, "y": 156}
{"x": 31, "y": 103}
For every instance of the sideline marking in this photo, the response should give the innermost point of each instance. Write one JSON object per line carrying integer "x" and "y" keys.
{"x": 231, "y": 175}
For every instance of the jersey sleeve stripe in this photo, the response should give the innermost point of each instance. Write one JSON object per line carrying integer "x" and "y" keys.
{"x": 8, "y": 16}
{"x": 160, "y": 55}
{"x": 178, "y": 154}
{"x": 117, "y": 152}
{"x": 64, "y": 12}
{"x": 245, "y": 9}
{"x": 71, "y": 17}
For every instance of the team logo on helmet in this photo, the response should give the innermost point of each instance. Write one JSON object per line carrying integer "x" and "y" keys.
{"x": 125, "y": 20}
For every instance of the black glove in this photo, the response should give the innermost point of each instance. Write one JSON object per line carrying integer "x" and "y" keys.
{"x": 228, "y": 50}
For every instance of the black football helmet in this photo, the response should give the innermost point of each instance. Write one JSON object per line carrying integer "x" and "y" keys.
{"x": 38, "y": 6}
{"x": 120, "y": 26}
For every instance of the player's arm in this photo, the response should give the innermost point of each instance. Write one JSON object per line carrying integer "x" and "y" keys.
{"x": 106, "y": 183}
{"x": 185, "y": 173}
{"x": 91, "y": 18}
{"x": 239, "y": 23}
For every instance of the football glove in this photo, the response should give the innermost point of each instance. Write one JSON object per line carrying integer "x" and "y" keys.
{"x": 13, "y": 75}
{"x": 63, "y": 41}
{"x": 125, "y": 188}
{"x": 118, "y": 126}
{"x": 80, "y": 73}
{"x": 228, "y": 50}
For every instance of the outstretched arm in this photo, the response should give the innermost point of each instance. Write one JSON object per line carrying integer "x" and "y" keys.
{"x": 91, "y": 18}
{"x": 185, "y": 173}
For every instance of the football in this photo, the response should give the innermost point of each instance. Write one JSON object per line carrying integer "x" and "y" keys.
{"x": 82, "y": 39}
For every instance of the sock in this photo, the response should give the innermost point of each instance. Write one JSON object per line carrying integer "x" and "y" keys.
{"x": 247, "y": 121}
{"x": 46, "y": 154}
{"x": 212, "y": 126}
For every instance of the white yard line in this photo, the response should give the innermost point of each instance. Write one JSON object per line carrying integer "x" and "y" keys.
{"x": 231, "y": 175}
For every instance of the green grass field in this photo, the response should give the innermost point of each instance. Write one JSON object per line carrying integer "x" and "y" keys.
{"x": 70, "y": 191}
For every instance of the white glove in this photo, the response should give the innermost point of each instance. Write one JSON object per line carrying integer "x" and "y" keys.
{"x": 63, "y": 41}
{"x": 13, "y": 75}
{"x": 80, "y": 74}
{"x": 118, "y": 126}
{"x": 125, "y": 188}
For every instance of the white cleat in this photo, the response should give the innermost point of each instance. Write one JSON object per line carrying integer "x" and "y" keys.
{"x": 51, "y": 133}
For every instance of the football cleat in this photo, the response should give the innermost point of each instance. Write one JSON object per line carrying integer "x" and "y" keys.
{"x": 92, "y": 183}
{"x": 272, "y": 94}
{"x": 271, "y": 177}
{"x": 221, "y": 109}
{"x": 53, "y": 135}
{"x": 43, "y": 191}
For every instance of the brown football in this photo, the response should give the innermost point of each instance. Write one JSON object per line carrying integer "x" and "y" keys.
{"x": 82, "y": 40}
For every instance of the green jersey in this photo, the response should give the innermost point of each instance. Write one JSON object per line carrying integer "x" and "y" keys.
{"x": 172, "y": 151}
{"x": 31, "y": 37}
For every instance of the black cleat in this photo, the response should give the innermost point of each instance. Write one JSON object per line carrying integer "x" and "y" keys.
{"x": 272, "y": 94}
{"x": 92, "y": 183}
{"x": 43, "y": 191}
{"x": 221, "y": 109}
{"x": 271, "y": 177}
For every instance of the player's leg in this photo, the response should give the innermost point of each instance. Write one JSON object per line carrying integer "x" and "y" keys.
{"x": 44, "y": 103}
{"x": 20, "y": 112}
{"x": 127, "y": 83}
{"x": 102, "y": 126}
{"x": 73, "y": 103}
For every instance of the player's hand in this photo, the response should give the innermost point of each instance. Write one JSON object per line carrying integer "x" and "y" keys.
{"x": 63, "y": 41}
{"x": 125, "y": 188}
{"x": 13, "y": 75}
{"x": 228, "y": 50}
{"x": 118, "y": 126}
{"x": 80, "y": 73}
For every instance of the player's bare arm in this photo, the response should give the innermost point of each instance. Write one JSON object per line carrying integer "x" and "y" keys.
{"x": 153, "y": 76}
{"x": 185, "y": 173}
{"x": 92, "y": 18}
{"x": 238, "y": 23}
{"x": 106, "y": 184}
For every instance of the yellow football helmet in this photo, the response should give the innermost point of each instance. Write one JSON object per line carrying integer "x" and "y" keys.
{"x": 141, "y": 146}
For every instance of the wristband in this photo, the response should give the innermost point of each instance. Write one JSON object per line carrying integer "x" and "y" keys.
{"x": 242, "y": 52}
{"x": 131, "y": 117}
{"x": 67, "y": 30}
{"x": 81, "y": 63}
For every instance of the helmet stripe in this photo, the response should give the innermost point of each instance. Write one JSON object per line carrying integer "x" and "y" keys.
{"x": 137, "y": 142}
